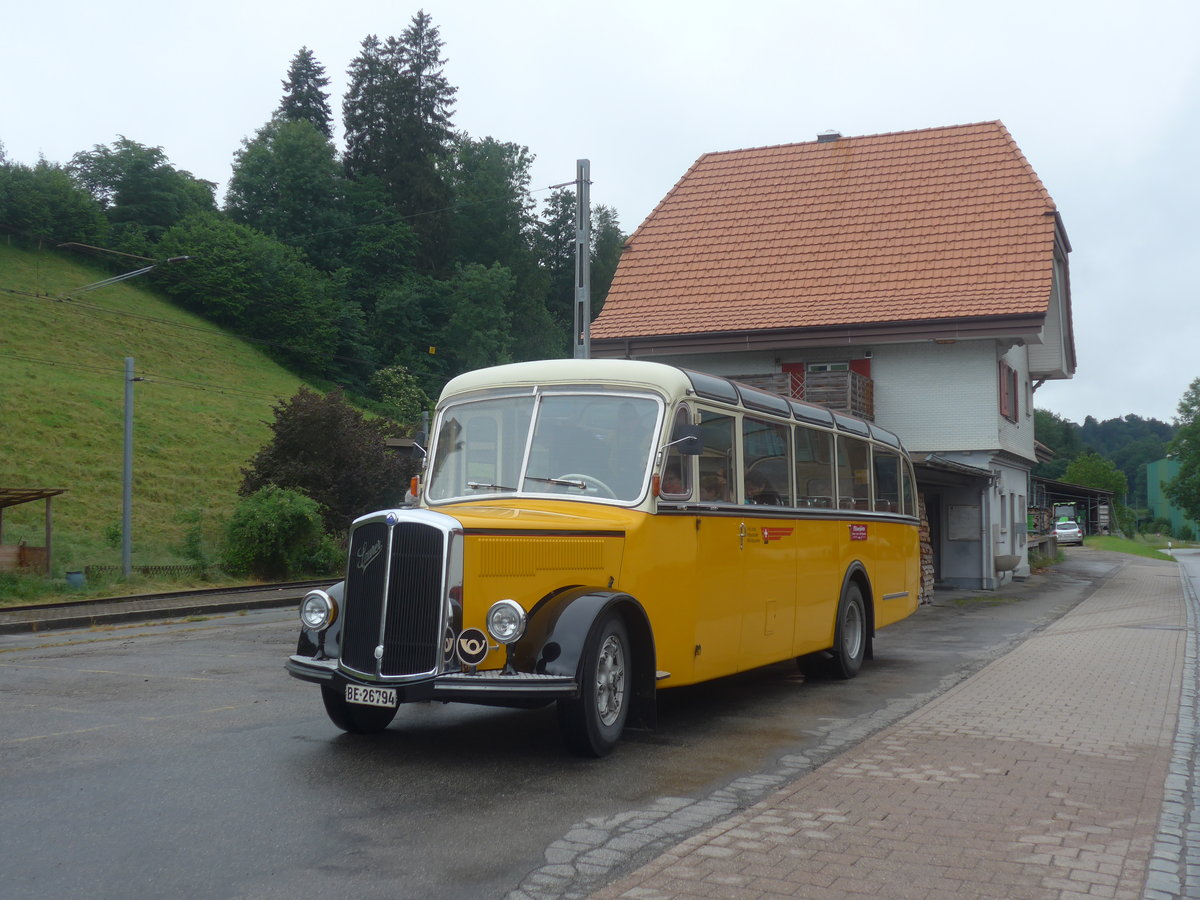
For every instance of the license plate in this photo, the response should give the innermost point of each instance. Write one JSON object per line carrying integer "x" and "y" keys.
{"x": 370, "y": 696}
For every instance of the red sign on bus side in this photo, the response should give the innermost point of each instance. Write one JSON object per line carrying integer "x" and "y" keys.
{"x": 858, "y": 532}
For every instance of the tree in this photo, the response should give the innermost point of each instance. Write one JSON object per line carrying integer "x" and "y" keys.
{"x": 330, "y": 452}
{"x": 1189, "y": 405}
{"x": 240, "y": 278}
{"x": 495, "y": 225}
{"x": 556, "y": 255}
{"x": 1184, "y": 489}
{"x": 139, "y": 189}
{"x": 304, "y": 97}
{"x": 607, "y": 244}
{"x": 400, "y": 394}
{"x": 478, "y": 327}
{"x": 407, "y": 327}
{"x": 45, "y": 202}
{"x": 397, "y": 116}
{"x": 494, "y": 217}
{"x": 287, "y": 182}
{"x": 1061, "y": 436}
{"x": 1092, "y": 470}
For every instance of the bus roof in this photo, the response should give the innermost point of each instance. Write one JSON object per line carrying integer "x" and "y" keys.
{"x": 670, "y": 381}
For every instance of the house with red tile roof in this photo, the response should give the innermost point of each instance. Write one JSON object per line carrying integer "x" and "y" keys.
{"x": 919, "y": 279}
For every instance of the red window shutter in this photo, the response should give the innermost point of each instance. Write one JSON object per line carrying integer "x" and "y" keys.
{"x": 1004, "y": 398}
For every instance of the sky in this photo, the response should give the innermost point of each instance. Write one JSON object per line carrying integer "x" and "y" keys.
{"x": 1103, "y": 98}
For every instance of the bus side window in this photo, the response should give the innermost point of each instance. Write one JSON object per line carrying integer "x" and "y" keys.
{"x": 854, "y": 473}
{"x": 677, "y": 469}
{"x": 814, "y": 468}
{"x": 765, "y": 451}
{"x": 717, "y": 461}
{"x": 887, "y": 480}
{"x": 908, "y": 494}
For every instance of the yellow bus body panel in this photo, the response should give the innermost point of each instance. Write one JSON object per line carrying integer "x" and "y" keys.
{"x": 724, "y": 591}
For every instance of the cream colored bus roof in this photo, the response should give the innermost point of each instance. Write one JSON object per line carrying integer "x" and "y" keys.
{"x": 665, "y": 379}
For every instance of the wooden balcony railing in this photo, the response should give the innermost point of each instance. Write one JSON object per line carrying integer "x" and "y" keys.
{"x": 844, "y": 391}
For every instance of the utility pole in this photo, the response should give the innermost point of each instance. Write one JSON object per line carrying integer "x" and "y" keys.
{"x": 583, "y": 259}
{"x": 127, "y": 480}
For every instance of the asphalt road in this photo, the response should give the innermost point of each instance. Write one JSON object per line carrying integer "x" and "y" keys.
{"x": 179, "y": 759}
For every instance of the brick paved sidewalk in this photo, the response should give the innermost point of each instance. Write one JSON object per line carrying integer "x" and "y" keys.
{"x": 1040, "y": 776}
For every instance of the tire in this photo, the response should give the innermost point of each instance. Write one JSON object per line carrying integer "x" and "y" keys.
{"x": 850, "y": 636}
{"x": 352, "y": 717}
{"x": 592, "y": 723}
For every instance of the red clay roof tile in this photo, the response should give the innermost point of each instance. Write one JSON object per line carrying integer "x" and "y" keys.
{"x": 912, "y": 226}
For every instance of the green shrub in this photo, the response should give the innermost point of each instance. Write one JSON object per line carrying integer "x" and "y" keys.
{"x": 275, "y": 534}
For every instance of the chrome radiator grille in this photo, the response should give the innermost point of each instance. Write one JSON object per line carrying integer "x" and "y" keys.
{"x": 394, "y": 599}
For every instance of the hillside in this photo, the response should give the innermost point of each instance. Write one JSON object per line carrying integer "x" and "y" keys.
{"x": 199, "y": 415}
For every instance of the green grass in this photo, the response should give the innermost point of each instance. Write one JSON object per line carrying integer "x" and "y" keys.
{"x": 199, "y": 416}
{"x": 1142, "y": 545}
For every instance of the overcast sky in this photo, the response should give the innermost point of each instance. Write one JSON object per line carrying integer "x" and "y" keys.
{"x": 1102, "y": 97}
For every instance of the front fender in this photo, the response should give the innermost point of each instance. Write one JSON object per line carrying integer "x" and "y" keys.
{"x": 325, "y": 644}
{"x": 561, "y": 626}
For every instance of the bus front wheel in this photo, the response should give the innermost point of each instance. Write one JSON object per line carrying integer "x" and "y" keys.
{"x": 850, "y": 637}
{"x": 592, "y": 722}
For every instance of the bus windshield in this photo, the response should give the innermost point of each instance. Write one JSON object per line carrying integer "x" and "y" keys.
{"x": 574, "y": 444}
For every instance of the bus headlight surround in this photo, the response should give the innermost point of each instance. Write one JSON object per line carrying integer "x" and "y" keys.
{"x": 317, "y": 610}
{"x": 506, "y": 621}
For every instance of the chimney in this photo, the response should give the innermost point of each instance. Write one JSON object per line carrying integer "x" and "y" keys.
{"x": 826, "y": 137}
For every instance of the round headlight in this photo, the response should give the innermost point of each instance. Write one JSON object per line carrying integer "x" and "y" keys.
{"x": 506, "y": 621}
{"x": 317, "y": 610}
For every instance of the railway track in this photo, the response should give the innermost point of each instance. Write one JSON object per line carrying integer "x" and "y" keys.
{"x": 81, "y": 613}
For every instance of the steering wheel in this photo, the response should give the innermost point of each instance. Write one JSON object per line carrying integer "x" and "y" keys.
{"x": 591, "y": 482}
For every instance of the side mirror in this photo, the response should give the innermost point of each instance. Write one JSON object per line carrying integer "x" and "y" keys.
{"x": 689, "y": 440}
{"x": 418, "y": 446}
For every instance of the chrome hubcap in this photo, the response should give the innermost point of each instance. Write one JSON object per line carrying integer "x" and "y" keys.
{"x": 610, "y": 680}
{"x": 852, "y": 630}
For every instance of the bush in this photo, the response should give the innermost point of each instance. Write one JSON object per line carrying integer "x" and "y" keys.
{"x": 275, "y": 534}
{"x": 327, "y": 450}
{"x": 1186, "y": 533}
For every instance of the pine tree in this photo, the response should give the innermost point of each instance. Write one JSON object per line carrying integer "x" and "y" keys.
{"x": 397, "y": 116}
{"x": 304, "y": 97}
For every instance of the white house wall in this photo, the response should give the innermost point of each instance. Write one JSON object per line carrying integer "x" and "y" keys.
{"x": 938, "y": 397}
{"x": 1048, "y": 359}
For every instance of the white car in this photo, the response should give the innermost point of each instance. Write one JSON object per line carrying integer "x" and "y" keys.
{"x": 1068, "y": 533}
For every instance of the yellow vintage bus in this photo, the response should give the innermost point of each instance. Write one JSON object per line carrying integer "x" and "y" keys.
{"x": 589, "y": 532}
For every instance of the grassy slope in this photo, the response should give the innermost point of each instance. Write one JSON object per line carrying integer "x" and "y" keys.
{"x": 61, "y": 416}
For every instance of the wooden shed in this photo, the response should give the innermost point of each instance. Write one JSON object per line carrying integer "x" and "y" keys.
{"x": 21, "y": 556}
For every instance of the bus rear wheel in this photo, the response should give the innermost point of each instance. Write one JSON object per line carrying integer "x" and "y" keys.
{"x": 352, "y": 717}
{"x": 592, "y": 723}
{"x": 850, "y": 636}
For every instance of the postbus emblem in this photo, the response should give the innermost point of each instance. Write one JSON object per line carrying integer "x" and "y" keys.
{"x": 472, "y": 646}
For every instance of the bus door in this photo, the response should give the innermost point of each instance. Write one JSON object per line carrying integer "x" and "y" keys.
{"x": 821, "y": 539}
{"x": 720, "y": 537}
{"x": 769, "y": 545}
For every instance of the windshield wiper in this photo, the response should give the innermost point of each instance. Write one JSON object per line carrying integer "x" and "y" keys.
{"x": 565, "y": 482}
{"x": 483, "y": 486}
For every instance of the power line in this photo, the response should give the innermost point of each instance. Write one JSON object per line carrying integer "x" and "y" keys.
{"x": 165, "y": 380}
{"x": 85, "y": 307}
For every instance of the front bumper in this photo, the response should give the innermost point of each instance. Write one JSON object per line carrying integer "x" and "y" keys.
{"x": 466, "y": 687}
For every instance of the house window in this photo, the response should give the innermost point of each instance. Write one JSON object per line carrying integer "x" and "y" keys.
{"x": 1009, "y": 398}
